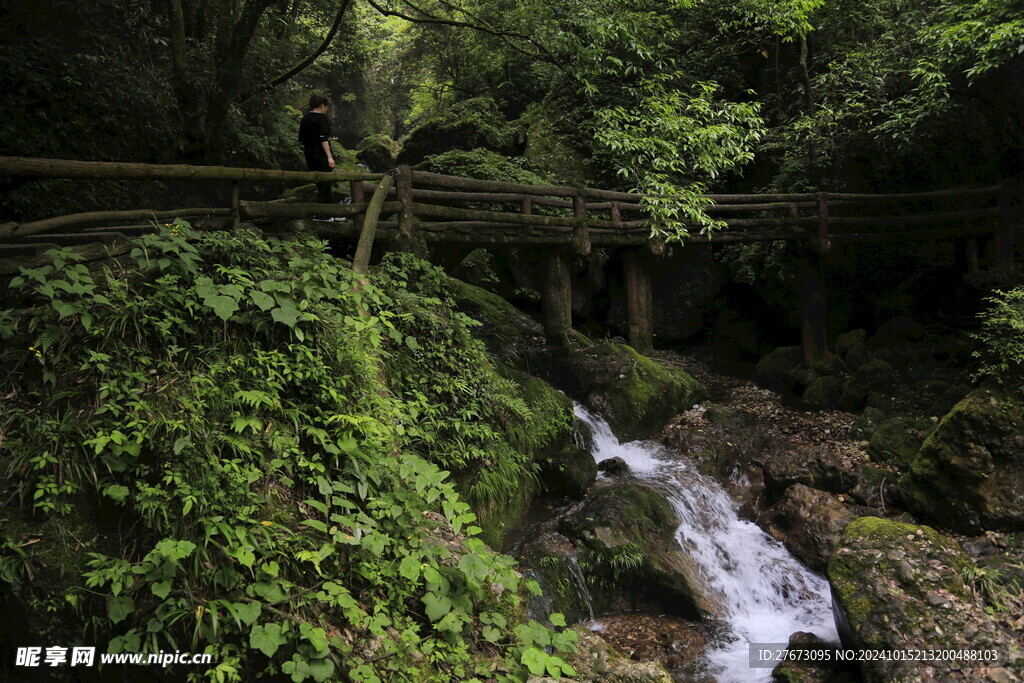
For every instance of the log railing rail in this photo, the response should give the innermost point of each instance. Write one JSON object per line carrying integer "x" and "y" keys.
{"x": 565, "y": 221}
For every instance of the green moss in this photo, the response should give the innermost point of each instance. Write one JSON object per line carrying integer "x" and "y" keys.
{"x": 897, "y": 440}
{"x": 501, "y": 322}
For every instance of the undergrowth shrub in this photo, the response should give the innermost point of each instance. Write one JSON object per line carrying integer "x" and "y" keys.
{"x": 246, "y": 441}
{"x": 1001, "y": 338}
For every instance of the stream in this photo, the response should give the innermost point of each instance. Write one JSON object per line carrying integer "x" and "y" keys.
{"x": 765, "y": 593}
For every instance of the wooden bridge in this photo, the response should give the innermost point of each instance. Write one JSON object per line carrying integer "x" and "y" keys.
{"x": 425, "y": 210}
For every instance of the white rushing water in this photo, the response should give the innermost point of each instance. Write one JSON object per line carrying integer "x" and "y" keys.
{"x": 766, "y": 594}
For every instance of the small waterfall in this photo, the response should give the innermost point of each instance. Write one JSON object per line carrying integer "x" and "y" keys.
{"x": 579, "y": 587}
{"x": 766, "y": 594}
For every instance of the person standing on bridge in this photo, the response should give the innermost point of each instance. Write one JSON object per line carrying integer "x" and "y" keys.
{"x": 315, "y": 136}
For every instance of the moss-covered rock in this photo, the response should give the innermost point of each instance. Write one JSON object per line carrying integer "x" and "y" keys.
{"x": 808, "y": 522}
{"x": 873, "y": 376}
{"x": 470, "y": 124}
{"x": 823, "y": 393}
{"x": 969, "y": 473}
{"x": 378, "y": 152}
{"x": 865, "y": 425}
{"x": 900, "y": 587}
{"x": 635, "y": 394}
{"x": 876, "y": 487}
{"x": 897, "y": 439}
{"x": 852, "y": 349}
{"x": 626, "y": 535}
{"x": 502, "y": 323}
{"x": 783, "y": 370}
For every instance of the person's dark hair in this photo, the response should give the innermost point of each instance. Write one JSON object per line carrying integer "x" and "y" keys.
{"x": 316, "y": 100}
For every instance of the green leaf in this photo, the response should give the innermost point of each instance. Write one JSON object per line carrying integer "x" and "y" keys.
{"x": 266, "y": 638}
{"x": 119, "y": 607}
{"x": 223, "y": 306}
{"x": 322, "y": 669}
{"x": 248, "y": 612}
{"x": 286, "y": 312}
{"x": 264, "y": 301}
{"x": 161, "y": 589}
{"x": 437, "y": 606}
{"x": 409, "y": 568}
{"x": 557, "y": 619}
{"x": 117, "y": 492}
{"x": 536, "y": 660}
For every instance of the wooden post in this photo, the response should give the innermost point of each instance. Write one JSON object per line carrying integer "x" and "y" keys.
{"x": 811, "y": 285}
{"x": 1004, "y": 229}
{"x": 236, "y": 218}
{"x": 406, "y": 219}
{"x": 581, "y": 231}
{"x": 357, "y": 193}
{"x": 639, "y": 306}
{"x": 526, "y": 207}
{"x": 361, "y": 261}
{"x": 557, "y": 298}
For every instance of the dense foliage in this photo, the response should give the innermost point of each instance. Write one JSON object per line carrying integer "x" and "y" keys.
{"x": 236, "y": 446}
{"x": 1001, "y": 338}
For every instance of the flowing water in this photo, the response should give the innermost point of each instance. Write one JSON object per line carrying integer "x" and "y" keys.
{"x": 766, "y": 594}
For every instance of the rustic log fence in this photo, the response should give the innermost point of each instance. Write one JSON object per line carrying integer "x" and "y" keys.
{"x": 421, "y": 209}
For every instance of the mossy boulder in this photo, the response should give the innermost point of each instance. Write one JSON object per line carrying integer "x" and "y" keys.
{"x": 783, "y": 370}
{"x": 378, "y": 152}
{"x": 501, "y": 323}
{"x": 969, "y": 473}
{"x": 823, "y": 393}
{"x": 626, "y": 536}
{"x": 865, "y": 425}
{"x": 635, "y": 394}
{"x": 897, "y": 440}
{"x": 900, "y": 587}
{"x": 873, "y": 376}
{"x": 470, "y": 124}
{"x": 876, "y": 487}
{"x": 851, "y": 347}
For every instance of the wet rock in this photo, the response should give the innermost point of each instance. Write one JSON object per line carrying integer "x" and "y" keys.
{"x": 596, "y": 660}
{"x": 873, "y": 376}
{"x": 982, "y": 546}
{"x": 808, "y": 522}
{"x": 808, "y": 465}
{"x": 876, "y": 487}
{"x": 809, "y": 670}
{"x": 892, "y": 581}
{"x": 635, "y": 394}
{"x": 627, "y": 536}
{"x": 969, "y": 474}
{"x": 866, "y": 424}
{"x": 897, "y": 440}
{"x": 613, "y": 467}
{"x": 568, "y": 471}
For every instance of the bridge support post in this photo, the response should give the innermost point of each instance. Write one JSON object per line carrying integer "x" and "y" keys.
{"x": 639, "y": 305}
{"x": 812, "y": 307}
{"x": 557, "y": 298}
{"x": 406, "y": 239}
{"x": 1004, "y": 229}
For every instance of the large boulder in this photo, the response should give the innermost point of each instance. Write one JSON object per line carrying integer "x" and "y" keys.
{"x": 808, "y": 522}
{"x": 625, "y": 535}
{"x": 900, "y": 587}
{"x": 783, "y": 370}
{"x": 378, "y": 152}
{"x": 823, "y": 393}
{"x": 501, "y": 324}
{"x": 897, "y": 440}
{"x": 873, "y": 376}
{"x": 470, "y": 124}
{"x": 809, "y": 465}
{"x": 635, "y": 394}
{"x": 969, "y": 473}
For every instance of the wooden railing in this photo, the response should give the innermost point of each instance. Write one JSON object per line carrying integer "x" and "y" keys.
{"x": 566, "y": 221}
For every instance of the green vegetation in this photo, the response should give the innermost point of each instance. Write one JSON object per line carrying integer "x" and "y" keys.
{"x": 1001, "y": 338}
{"x": 238, "y": 446}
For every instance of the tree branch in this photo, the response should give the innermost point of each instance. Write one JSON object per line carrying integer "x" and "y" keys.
{"x": 477, "y": 24}
{"x": 290, "y": 73}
